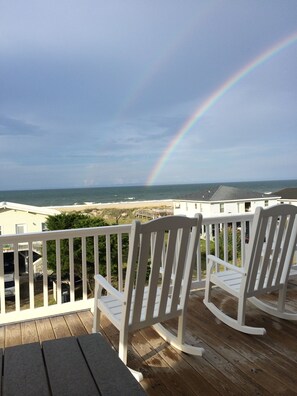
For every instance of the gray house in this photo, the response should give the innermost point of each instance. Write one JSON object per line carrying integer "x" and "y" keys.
{"x": 223, "y": 200}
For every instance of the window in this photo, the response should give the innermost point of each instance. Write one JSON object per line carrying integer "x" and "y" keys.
{"x": 247, "y": 206}
{"x": 195, "y": 206}
{"x": 0, "y": 230}
{"x": 20, "y": 228}
{"x": 221, "y": 208}
{"x": 266, "y": 203}
{"x": 44, "y": 227}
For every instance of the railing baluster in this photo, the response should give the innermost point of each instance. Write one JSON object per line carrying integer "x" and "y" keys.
{"x": 58, "y": 272}
{"x": 44, "y": 274}
{"x": 96, "y": 255}
{"x": 84, "y": 267}
{"x": 2, "y": 281}
{"x": 31, "y": 276}
{"x": 120, "y": 262}
{"x": 108, "y": 259}
{"x": 16, "y": 265}
{"x": 234, "y": 243}
{"x": 225, "y": 233}
{"x": 71, "y": 271}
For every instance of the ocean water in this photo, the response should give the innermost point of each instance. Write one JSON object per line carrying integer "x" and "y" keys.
{"x": 75, "y": 196}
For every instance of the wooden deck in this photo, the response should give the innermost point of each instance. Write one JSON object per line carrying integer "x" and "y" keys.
{"x": 233, "y": 363}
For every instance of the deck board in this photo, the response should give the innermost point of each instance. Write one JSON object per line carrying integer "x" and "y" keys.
{"x": 233, "y": 363}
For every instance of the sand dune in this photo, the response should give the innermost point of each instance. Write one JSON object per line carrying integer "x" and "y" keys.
{"x": 116, "y": 205}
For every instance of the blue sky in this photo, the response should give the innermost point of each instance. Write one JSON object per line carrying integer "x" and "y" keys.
{"x": 93, "y": 92}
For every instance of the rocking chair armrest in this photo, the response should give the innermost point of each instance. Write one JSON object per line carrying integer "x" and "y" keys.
{"x": 108, "y": 287}
{"x": 216, "y": 260}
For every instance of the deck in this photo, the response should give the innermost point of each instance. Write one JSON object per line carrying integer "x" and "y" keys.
{"x": 233, "y": 363}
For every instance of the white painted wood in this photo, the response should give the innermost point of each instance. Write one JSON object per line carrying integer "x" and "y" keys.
{"x": 267, "y": 267}
{"x": 153, "y": 292}
{"x": 40, "y": 239}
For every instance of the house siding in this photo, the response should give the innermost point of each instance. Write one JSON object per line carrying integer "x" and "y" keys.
{"x": 31, "y": 220}
{"x": 209, "y": 208}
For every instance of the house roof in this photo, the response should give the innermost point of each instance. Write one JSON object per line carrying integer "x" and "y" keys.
{"x": 28, "y": 208}
{"x": 287, "y": 193}
{"x": 225, "y": 193}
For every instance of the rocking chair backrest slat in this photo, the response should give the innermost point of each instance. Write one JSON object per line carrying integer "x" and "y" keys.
{"x": 157, "y": 251}
{"x": 180, "y": 256}
{"x": 140, "y": 284}
{"x": 273, "y": 241}
{"x": 168, "y": 270}
{"x": 160, "y": 266}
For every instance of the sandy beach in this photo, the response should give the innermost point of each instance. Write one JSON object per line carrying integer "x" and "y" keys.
{"x": 116, "y": 205}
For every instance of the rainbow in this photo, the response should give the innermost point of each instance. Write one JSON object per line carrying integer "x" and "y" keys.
{"x": 215, "y": 97}
{"x": 159, "y": 64}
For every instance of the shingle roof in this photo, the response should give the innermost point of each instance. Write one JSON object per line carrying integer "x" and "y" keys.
{"x": 225, "y": 193}
{"x": 287, "y": 193}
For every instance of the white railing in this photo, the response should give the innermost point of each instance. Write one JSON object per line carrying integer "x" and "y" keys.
{"x": 42, "y": 291}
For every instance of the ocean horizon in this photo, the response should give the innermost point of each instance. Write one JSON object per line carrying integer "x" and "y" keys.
{"x": 93, "y": 195}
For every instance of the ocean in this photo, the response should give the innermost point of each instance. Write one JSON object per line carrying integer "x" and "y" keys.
{"x": 78, "y": 196}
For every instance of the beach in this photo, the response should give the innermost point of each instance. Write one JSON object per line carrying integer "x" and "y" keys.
{"x": 157, "y": 204}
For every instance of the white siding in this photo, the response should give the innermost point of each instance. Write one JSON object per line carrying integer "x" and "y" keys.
{"x": 208, "y": 208}
{"x": 9, "y": 219}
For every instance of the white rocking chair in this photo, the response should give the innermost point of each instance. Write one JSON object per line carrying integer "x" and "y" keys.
{"x": 161, "y": 258}
{"x": 267, "y": 268}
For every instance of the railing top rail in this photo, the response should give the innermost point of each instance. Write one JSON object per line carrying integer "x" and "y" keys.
{"x": 69, "y": 233}
{"x": 227, "y": 218}
{"x": 105, "y": 230}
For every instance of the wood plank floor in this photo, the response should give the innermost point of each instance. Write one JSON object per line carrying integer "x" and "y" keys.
{"x": 233, "y": 363}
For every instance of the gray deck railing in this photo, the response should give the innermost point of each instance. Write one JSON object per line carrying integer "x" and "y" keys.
{"x": 42, "y": 291}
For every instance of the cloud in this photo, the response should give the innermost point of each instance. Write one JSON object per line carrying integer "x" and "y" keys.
{"x": 93, "y": 92}
{"x": 14, "y": 127}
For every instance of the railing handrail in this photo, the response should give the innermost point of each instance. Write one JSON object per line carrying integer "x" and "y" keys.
{"x": 212, "y": 226}
{"x": 226, "y": 218}
{"x": 71, "y": 233}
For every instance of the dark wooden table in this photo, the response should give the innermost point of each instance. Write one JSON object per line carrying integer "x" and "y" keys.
{"x": 84, "y": 366}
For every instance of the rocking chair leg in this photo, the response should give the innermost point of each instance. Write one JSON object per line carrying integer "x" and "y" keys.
{"x": 96, "y": 320}
{"x": 123, "y": 346}
{"x": 241, "y": 313}
{"x": 123, "y": 351}
{"x": 174, "y": 341}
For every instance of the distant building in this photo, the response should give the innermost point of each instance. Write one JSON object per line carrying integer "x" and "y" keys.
{"x": 287, "y": 196}
{"x": 17, "y": 218}
{"x": 223, "y": 200}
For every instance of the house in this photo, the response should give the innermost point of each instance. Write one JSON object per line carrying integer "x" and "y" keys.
{"x": 287, "y": 195}
{"x": 17, "y": 218}
{"x": 222, "y": 200}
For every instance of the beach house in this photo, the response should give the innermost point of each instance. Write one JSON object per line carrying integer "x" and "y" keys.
{"x": 223, "y": 200}
{"x": 17, "y": 218}
{"x": 287, "y": 195}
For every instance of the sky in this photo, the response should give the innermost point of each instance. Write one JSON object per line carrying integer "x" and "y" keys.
{"x": 146, "y": 92}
